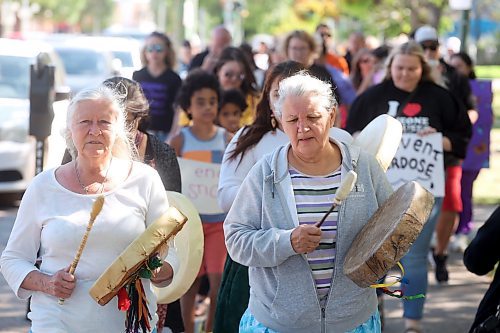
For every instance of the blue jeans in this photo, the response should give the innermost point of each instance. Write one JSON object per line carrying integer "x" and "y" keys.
{"x": 415, "y": 265}
{"x": 249, "y": 324}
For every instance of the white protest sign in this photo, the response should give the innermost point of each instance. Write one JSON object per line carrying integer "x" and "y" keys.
{"x": 419, "y": 158}
{"x": 199, "y": 183}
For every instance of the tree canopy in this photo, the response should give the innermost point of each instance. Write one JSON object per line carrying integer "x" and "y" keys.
{"x": 88, "y": 15}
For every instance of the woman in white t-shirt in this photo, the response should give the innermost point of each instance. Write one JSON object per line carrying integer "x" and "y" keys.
{"x": 54, "y": 214}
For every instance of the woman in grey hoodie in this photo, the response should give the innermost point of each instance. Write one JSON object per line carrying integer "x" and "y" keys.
{"x": 295, "y": 268}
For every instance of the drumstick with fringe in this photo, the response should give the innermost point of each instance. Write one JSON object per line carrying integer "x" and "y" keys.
{"x": 342, "y": 193}
{"x": 96, "y": 209}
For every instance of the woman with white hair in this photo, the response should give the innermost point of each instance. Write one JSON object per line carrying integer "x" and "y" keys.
{"x": 296, "y": 278}
{"x": 54, "y": 212}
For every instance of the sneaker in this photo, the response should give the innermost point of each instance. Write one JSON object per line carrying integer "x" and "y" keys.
{"x": 441, "y": 271}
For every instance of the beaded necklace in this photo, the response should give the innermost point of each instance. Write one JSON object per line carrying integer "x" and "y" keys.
{"x": 85, "y": 187}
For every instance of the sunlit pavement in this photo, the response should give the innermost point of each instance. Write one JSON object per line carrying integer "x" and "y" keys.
{"x": 12, "y": 310}
{"x": 449, "y": 308}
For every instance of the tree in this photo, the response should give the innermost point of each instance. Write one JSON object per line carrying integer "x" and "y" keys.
{"x": 278, "y": 17}
{"x": 89, "y": 15}
{"x": 381, "y": 18}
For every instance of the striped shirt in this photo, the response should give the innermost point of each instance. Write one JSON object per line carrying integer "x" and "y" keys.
{"x": 313, "y": 197}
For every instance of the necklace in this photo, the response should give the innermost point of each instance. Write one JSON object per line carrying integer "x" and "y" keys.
{"x": 85, "y": 187}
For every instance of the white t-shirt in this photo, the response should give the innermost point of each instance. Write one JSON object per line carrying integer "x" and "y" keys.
{"x": 53, "y": 219}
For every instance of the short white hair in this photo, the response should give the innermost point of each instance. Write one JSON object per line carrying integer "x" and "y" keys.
{"x": 303, "y": 84}
{"x": 124, "y": 147}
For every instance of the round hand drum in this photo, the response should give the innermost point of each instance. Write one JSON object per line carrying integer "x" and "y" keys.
{"x": 381, "y": 138}
{"x": 388, "y": 234}
{"x": 124, "y": 268}
{"x": 189, "y": 244}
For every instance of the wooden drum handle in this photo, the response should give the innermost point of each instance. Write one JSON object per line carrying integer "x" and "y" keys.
{"x": 343, "y": 191}
{"x": 96, "y": 209}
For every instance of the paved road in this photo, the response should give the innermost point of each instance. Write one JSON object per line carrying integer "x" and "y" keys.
{"x": 449, "y": 309}
{"x": 12, "y": 310}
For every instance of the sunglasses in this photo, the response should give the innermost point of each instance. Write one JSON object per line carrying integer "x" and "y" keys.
{"x": 432, "y": 47}
{"x": 232, "y": 75}
{"x": 155, "y": 48}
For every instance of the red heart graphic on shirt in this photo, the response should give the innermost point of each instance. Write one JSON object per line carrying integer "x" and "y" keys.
{"x": 412, "y": 109}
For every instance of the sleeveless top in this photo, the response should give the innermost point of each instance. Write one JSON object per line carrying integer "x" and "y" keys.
{"x": 208, "y": 151}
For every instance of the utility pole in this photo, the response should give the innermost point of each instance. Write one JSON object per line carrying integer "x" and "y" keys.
{"x": 233, "y": 20}
{"x": 464, "y": 6}
{"x": 464, "y": 30}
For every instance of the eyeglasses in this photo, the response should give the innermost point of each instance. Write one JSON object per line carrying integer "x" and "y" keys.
{"x": 233, "y": 75}
{"x": 431, "y": 46}
{"x": 155, "y": 48}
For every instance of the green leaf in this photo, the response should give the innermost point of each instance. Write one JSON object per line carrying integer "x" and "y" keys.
{"x": 145, "y": 273}
{"x": 155, "y": 262}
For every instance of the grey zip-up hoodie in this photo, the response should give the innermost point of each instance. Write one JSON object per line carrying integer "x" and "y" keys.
{"x": 257, "y": 231}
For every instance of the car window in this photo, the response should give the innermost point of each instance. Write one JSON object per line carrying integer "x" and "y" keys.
{"x": 125, "y": 58}
{"x": 82, "y": 62}
{"x": 14, "y": 77}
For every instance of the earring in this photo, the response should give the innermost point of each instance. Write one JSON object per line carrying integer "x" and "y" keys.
{"x": 274, "y": 123}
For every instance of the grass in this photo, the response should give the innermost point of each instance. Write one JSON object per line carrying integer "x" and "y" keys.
{"x": 488, "y": 72}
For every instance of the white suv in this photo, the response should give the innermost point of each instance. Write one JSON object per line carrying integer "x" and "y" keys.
{"x": 17, "y": 148}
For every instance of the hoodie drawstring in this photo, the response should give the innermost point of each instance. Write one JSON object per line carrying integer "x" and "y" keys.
{"x": 271, "y": 176}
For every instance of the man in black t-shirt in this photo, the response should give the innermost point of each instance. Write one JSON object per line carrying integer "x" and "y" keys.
{"x": 221, "y": 38}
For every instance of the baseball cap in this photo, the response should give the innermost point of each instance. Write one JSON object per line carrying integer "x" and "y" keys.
{"x": 425, "y": 33}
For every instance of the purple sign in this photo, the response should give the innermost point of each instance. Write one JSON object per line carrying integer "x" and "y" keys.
{"x": 478, "y": 151}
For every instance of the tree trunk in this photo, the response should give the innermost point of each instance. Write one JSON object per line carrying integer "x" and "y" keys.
{"x": 426, "y": 12}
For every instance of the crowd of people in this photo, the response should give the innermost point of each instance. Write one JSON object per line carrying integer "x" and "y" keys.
{"x": 282, "y": 135}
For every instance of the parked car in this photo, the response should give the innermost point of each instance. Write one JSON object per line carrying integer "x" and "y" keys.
{"x": 125, "y": 50}
{"x": 86, "y": 64}
{"x": 17, "y": 147}
{"x": 136, "y": 33}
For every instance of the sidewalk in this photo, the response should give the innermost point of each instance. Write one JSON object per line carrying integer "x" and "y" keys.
{"x": 12, "y": 310}
{"x": 449, "y": 308}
